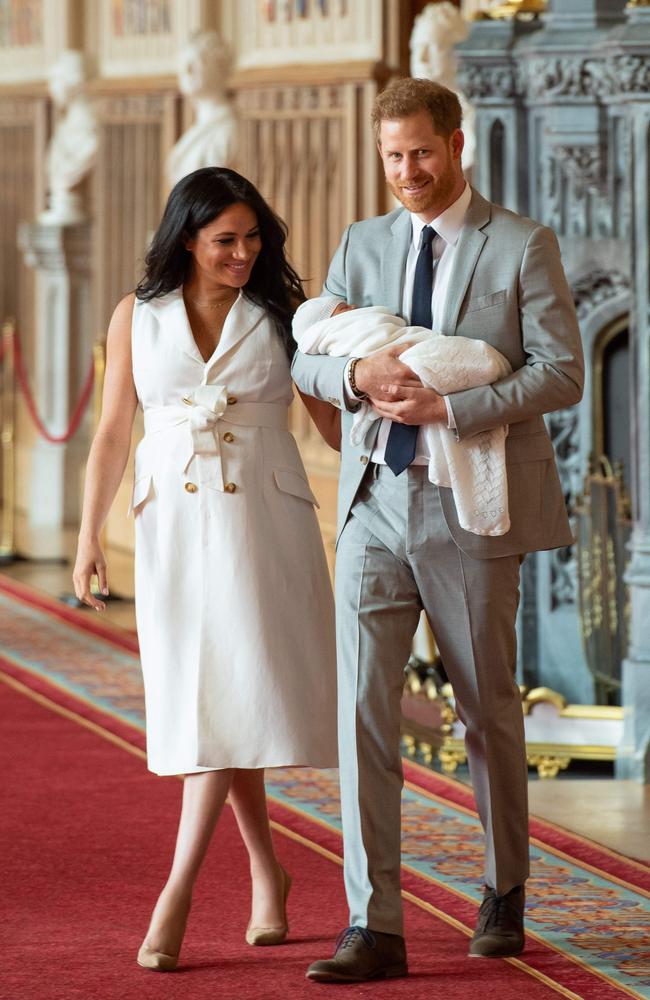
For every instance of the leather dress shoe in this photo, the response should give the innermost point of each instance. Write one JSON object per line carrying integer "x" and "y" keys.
{"x": 362, "y": 954}
{"x": 500, "y": 929}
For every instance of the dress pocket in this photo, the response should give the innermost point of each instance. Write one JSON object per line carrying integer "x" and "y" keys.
{"x": 143, "y": 488}
{"x": 293, "y": 483}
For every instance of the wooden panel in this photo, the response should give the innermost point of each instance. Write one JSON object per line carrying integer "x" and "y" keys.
{"x": 128, "y": 190}
{"x": 310, "y": 151}
{"x": 21, "y": 148}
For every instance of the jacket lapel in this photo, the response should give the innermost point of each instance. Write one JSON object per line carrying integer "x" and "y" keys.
{"x": 468, "y": 250}
{"x": 393, "y": 262}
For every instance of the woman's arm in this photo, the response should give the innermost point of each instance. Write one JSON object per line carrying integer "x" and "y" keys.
{"x": 108, "y": 454}
{"x": 327, "y": 419}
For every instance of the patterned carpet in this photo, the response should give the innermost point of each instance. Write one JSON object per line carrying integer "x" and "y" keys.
{"x": 588, "y": 912}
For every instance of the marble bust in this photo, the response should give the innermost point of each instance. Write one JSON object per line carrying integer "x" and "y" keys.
{"x": 73, "y": 147}
{"x": 435, "y": 32}
{"x": 203, "y": 67}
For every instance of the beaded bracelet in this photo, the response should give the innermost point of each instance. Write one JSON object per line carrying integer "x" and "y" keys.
{"x": 352, "y": 381}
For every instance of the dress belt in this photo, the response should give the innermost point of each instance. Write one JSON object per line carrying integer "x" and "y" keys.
{"x": 202, "y": 412}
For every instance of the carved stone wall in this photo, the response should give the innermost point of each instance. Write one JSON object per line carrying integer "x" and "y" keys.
{"x": 567, "y": 96}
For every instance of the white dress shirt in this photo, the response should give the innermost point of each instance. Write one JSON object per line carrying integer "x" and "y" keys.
{"x": 448, "y": 226}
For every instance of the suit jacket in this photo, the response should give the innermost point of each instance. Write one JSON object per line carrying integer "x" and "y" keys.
{"x": 507, "y": 287}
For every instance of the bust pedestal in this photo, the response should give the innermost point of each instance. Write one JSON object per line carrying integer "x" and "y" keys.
{"x": 62, "y": 351}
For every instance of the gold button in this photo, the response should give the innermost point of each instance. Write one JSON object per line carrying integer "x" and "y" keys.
{"x": 230, "y": 487}
{"x": 231, "y": 400}
{"x": 191, "y": 487}
{"x": 228, "y": 437}
{"x": 187, "y": 400}
{"x": 364, "y": 459}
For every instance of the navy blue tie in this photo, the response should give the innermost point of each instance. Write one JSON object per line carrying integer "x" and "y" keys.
{"x": 402, "y": 438}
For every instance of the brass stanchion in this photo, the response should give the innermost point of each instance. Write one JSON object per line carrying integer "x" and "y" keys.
{"x": 8, "y": 534}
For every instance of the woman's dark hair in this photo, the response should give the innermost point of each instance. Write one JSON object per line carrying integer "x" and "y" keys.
{"x": 195, "y": 202}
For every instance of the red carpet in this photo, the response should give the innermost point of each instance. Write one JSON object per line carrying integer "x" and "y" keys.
{"x": 87, "y": 835}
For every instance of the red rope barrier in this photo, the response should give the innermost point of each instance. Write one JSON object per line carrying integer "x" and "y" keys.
{"x": 78, "y": 412}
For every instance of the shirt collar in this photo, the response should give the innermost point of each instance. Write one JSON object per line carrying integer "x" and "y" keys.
{"x": 449, "y": 223}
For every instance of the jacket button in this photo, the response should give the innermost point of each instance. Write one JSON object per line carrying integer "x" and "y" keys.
{"x": 187, "y": 400}
{"x": 230, "y": 487}
{"x": 231, "y": 400}
{"x": 191, "y": 487}
{"x": 228, "y": 437}
{"x": 364, "y": 459}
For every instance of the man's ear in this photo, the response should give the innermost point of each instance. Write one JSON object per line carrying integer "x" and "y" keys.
{"x": 457, "y": 142}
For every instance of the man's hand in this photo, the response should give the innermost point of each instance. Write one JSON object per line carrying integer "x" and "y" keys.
{"x": 411, "y": 405}
{"x": 382, "y": 375}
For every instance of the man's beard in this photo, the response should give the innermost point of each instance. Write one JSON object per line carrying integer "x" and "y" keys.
{"x": 434, "y": 196}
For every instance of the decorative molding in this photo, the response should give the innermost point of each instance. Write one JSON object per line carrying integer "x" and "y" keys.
{"x": 583, "y": 165}
{"x": 549, "y": 77}
{"x": 563, "y": 429}
{"x": 631, "y": 74}
{"x": 598, "y": 287}
{"x": 487, "y": 80}
{"x": 311, "y": 75}
{"x": 130, "y": 107}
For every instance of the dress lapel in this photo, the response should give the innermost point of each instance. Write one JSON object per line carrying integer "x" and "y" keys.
{"x": 243, "y": 317}
{"x": 177, "y": 322}
{"x": 468, "y": 249}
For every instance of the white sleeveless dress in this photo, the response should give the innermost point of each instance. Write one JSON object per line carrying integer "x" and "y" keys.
{"x": 233, "y": 600}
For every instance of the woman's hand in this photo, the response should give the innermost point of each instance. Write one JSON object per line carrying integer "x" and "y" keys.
{"x": 90, "y": 562}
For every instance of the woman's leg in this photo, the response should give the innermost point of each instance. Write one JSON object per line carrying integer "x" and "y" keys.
{"x": 248, "y": 799}
{"x": 203, "y": 797}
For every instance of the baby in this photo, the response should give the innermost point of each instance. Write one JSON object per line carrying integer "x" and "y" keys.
{"x": 475, "y": 468}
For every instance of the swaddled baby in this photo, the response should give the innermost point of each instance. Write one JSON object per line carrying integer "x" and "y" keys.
{"x": 475, "y": 468}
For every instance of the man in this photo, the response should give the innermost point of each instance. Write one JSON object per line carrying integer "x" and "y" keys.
{"x": 454, "y": 262}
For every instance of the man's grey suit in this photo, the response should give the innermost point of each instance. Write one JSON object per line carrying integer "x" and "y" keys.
{"x": 401, "y": 548}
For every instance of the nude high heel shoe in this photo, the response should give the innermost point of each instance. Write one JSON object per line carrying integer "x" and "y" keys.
{"x": 272, "y": 935}
{"x": 156, "y": 960}
{"x": 161, "y": 961}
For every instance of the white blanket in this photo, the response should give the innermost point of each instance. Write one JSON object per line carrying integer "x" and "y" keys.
{"x": 475, "y": 468}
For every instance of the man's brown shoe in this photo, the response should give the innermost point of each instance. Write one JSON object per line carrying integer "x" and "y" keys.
{"x": 362, "y": 954}
{"x": 500, "y": 929}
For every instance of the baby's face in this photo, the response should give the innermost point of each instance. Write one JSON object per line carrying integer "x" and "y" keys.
{"x": 342, "y": 307}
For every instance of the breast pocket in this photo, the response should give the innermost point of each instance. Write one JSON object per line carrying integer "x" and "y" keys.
{"x": 486, "y": 301}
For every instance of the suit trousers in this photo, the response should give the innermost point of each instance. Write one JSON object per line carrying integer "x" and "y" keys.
{"x": 396, "y": 556}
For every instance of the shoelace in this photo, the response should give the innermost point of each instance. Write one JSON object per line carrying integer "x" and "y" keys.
{"x": 346, "y": 938}
{"x": 494, "y": 910}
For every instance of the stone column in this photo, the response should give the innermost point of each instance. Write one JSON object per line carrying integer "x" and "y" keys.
{"x": 628, "y": 52}
{"x": 62, "y": 352}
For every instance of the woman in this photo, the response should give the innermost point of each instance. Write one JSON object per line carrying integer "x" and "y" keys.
{"x": 233, "y": 600}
